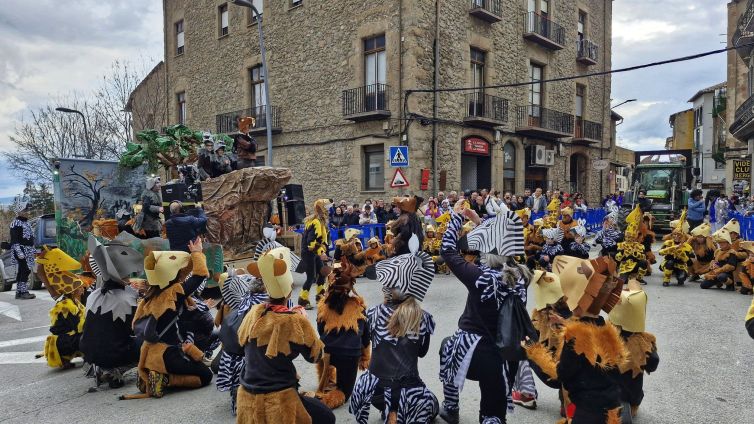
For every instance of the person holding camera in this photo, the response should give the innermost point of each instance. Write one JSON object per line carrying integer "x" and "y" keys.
{"x": 182, "y": 227}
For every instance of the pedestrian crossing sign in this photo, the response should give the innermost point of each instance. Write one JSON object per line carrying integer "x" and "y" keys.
{"x": 399, "y": 180}
{"x": 398, "y": 156}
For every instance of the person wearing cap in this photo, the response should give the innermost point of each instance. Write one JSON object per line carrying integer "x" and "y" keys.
{"x": 206, "y": 157}
{"x": 350, "y": 236}
{"x": 471, "y": 353}
{"x": 677, "y": 254}
{"x": 68, "y": 313}
{"x": 272, "y": 336}
{"x": 166, "y": 358}
{"x": 342, "y": 326}
{"x": 724, "y": 265}
{"x": 734, "y": 229}
{"x": 221, "y": 164}
{"x": 703, "y": 248}
{"x": 107, "y": 340}
{"x": 374, "y": 252}
{"x": 630, "y": 317}
{"x": 182, "y": 226}
{"x": 151, "y": 201}
{"x": 589, "y": 350}
{"x": 315, "y": 244}
{"x": 400, "y": 333}
{"x": 407, "y": 224}
{"x": 22, "y": 246}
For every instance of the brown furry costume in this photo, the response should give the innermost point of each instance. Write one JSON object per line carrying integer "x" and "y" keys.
{"x": 704, "y": 251}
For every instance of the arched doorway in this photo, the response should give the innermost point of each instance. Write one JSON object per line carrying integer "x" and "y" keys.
{"x": 509, "y": 167}
{"x": 476, "y": 165}
{"x": 578, "y": 175}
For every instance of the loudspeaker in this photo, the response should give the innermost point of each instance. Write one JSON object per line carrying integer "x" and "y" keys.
{"x": 296, "y": 210}
{"x": 294, "y": 192}
{"x": 171, "y": 192}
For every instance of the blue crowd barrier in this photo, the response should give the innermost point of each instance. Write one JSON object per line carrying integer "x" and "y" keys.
{"x": 367, "y": 232}
{"x": 593, "y": 218}
{"x": 747, "y": 225}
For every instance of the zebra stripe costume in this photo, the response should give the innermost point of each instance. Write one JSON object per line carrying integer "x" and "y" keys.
{"x": 525, "y": 380}
{"x": 506, "y": 238}
{"x": 416, "y": 404}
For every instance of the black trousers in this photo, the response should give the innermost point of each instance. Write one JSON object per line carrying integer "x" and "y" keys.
{"x": 176, "y": 362}
{"x": 345, "y": 377}
{"x": 152, "y": 234}
{"x": 22, "y": 275}
{"x": 487, "y": 368}
{"x": 694, "y": 223}
{"x": 317, "y": 410}
{"x": 721, "y": 279}
{"x": 312, "y": 271}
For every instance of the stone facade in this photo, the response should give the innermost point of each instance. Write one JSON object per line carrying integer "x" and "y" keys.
{"x": 738, "y": 65}
{"x": 148, "y": 102}
{"x": 316, "y": 50}
{"x": 682, "y": 124}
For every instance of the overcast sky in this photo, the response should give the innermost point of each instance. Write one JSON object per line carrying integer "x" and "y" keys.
{"x": 51, "y": 47}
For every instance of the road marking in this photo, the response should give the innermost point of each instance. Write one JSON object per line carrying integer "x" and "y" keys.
{"x": 41, "y": 295}
{"x": 33, "y": 328}
{"x": 12, "y": 358}
{"x": 18, "y": 342}
{"x": 10, "y": 310}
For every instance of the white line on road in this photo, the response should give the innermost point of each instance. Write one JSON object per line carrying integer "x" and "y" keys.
{"x": 18, "y": 342}
{"x": 41, "y": 295}
{"x": 10, "y": 310}
{"x": 12, "y": 358}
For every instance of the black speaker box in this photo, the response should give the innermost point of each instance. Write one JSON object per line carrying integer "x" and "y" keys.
{"x": 171, "y": 192}
{"x": 296, "y": 210}
{"x": 294, "y": 192}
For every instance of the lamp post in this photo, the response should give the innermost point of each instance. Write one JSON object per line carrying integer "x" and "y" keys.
{"x": 89, "y": 152}
{"x": 623, "y": 103}
{"x": 263, "y": 52}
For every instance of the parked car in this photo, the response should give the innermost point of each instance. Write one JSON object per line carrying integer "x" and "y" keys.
{"x": 45, "y": 233}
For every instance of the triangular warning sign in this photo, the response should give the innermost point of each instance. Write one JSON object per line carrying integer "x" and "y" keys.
{"x": 398, "y": 157}
{"x": 399, "y": 180}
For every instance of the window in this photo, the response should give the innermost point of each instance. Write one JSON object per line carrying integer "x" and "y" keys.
{"x": 256, "y": 77}
{"x": 544, "y": 7}
{"x": 580, "y": 90}
{"x": 181, "y": 103}
{"x": 476, "y": 105}
{"x": 698, "y": 116}
{"x": 374, "y": 171}
{"x": 535, "y": 89}
{"x": 259, "y": 5}
{"x": 375, "y": 73}
{"x": 180, "y": 37}
{"x": 581, "y": 25}
{"x": 509, "y": 167}
{"x": 223, "y": 13}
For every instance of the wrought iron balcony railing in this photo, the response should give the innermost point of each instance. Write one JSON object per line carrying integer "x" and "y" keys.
{"x": 485, "y": 106}
{"x": 488, "y": 10}
{"x": 228, "y": 122}
{"x": 541, "y": 29}
{"x": 587, "y": 51}
{"x": 535, "y": 118}
{"x": 369, "y": 100}
{"x": 587, "y": 130}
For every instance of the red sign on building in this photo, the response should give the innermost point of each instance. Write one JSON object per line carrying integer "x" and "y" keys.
{"x": 476, "y": 146}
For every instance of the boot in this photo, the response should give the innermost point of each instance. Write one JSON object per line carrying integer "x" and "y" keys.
{"x": 666, "y": 274}
{"x": 320, "y": 292}
{"x": 745, "y": 290}
{"x": 682, "y": 276}
{"x": 450, "y": 417}
{"x": 303, "y": 299}
{"x": 25, "y": 296}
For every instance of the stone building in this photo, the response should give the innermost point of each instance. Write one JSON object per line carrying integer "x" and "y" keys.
{"x": 709, "y": 136}
{"x": 739, "y": 113}
{"x": 342, "y": 75}
{"x": 148, "y": 103}
{"x": 682, "y": 124}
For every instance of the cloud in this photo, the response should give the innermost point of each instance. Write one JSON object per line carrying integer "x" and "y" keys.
{"x": 646, "y": 31}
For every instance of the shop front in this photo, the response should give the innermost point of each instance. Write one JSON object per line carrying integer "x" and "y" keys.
{"x": 476, "y": 164}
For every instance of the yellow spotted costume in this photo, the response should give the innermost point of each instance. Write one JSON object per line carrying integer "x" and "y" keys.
{"x": 67, "y": 316}
{"x": 631, "y": 257}
{"x": 677, "y": 253}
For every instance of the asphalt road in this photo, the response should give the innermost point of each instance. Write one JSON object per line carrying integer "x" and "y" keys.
{"x": 706, "y": 372}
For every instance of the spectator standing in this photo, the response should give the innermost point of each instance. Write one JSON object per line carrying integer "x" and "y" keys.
{"x": 432, "y": 210}
{"x": 440, "y": 197}
{"x": 695, "y": 213}
{"x": 381, "y": 212}
{"x": 580, "y": 206}
{"x": 539, "y": 202}
{"x": 367, "y": 217}
{"x": 183, "y": 227}
{"x": 453, "y": 197}
{"x": 338, "y": 218}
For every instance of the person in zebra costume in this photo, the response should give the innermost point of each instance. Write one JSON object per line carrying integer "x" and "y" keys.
{"x": 552, "y": 247}
{"x": 272, "y": 335}
{"x": 240, "y": 292}
{"x": 471, "y": 352}
{"x": 400, "y": 331}
{"x": 578, "y": 247}
{"x": 609, "y": 236}
{"x": 22, "y": 247}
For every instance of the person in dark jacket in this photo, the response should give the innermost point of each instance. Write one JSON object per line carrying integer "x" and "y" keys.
{"x": 338, "y": 219}
{"x": 22, "y": 247}
{"x": 181, "y": 228}
{"x": 245, "y": 148}
{"x": 272, "y": 336}
{"x": 221, "y": 163}
{"x": 206, "y": 157}
{"x": 352, "y": 218}
{"x": 498, "y": 240}
{"x": 381, "y": 212}
{"x": 108, "y": 341}
{"x": 342, "y": 326}
{"x": 151, "y": 200}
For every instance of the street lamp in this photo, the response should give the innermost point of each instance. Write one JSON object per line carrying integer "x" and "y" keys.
{"x": 623, "y": 103}
{"x": 263, "y": 52}
{"x": 86, "y": 129}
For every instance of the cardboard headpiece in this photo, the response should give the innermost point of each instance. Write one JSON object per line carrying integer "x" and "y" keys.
{"x": 408, "y": 204}
{"x": 547, "y": 289}
{"x": 566, "y": 212}
{"x": 525, "y": 212}
{"x": 246, "y": 124}
{"x": 207, "y": 138}
{"x": 733, "y": 226}
{"x": 721, "y": 235}
{"x": 152, "y": 181}
{"x": 351, "y": 233}
{"x": 57, "y": 266}
{"x": 430, "y": 229}
{"x": 588, "y": 285}
{"x": 554, "y": 205}
{"x": 703, "y": 229}
{"x": 501, "y": 235}
{"x": 274, "y": 268}
{"x": 322, "y": 207}
{"x": 553, "y": 234}
{"x": 410, "y": 273}
{"x": 631, "y": 313}
{"x": 579, "y": 230}
{"x": 162, "y": 267}
{"x": 747, "y": 246}
{"x": 114, "y": 261}
{"x": 681, "y": 225}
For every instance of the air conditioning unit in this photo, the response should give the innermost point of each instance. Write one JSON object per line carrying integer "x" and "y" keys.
{"x": 538, "y": 155}
{"x": 549, "y": 157}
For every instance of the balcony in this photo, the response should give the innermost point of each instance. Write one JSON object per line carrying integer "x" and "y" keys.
{"x": 366, "y": 103}
{"x": 587, "y": 52}
{"x": 745, "y": 30}
{"x": 487, "y": 10}
{"x": 228, "y": 122}
{"x": 485, "y": 110}
{"x": 743, "y": 125}
{"x": 536, "y": 121}
{"x": 543, "y": 31}
{"x": 587, "y": 132}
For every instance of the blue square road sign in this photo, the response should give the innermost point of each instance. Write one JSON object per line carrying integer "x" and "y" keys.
{"x": 398, "y": 156}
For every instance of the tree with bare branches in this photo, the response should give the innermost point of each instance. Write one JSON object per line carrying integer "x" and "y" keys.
{"x": 85, "y": 185}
